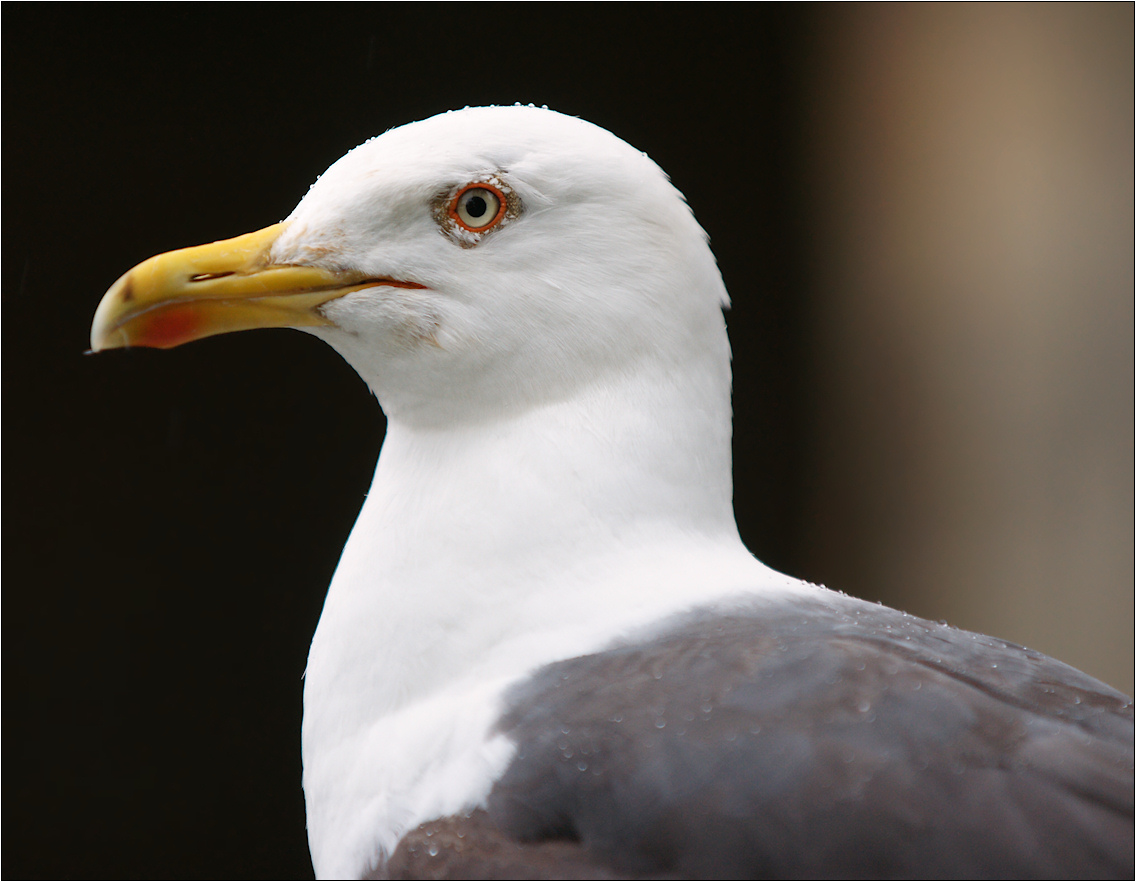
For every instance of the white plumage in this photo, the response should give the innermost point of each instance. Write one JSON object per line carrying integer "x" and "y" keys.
{"x": 556, "y": 468}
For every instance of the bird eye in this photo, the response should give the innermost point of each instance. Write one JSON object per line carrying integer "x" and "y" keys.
{"x": 477, "y": 207}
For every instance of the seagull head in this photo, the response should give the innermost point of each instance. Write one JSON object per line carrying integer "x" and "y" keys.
{"x": 481, "y": 261}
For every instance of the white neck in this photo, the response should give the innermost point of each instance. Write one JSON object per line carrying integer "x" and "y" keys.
{"x": 485, "y": 550}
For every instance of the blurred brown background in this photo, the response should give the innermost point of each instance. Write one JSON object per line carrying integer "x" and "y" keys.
{"x": 972, "y": 333}
{"x": 924, "y": 215}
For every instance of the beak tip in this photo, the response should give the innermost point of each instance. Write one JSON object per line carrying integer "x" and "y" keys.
{"x": 107, "y": 331}
{"x": 101, "y": 333}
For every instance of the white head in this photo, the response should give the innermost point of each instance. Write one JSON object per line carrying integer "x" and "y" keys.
{"x": 578, "y": 274}
{"x": 595, "y": 266}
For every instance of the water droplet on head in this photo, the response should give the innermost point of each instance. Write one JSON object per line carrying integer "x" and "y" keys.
{"x": 433, "y": 849}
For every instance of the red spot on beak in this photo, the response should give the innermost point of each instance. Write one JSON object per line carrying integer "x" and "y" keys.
{"x": 169, "y": 327}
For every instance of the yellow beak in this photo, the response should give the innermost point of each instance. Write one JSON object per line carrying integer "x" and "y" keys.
{"x": 192, "y": 293}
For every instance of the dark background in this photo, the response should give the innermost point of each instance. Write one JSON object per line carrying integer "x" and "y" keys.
{"x": 172, "y": 519}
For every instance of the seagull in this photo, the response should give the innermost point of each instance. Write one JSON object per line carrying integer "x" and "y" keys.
{"x": 545, "y": 651}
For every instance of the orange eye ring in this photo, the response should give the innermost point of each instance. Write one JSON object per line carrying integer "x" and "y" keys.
{"x": 465, "y": 203}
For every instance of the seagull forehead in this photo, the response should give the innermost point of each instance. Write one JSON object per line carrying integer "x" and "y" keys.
{"x": 548, "y": 157}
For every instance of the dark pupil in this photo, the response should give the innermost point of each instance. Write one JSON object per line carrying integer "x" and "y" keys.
{"x": 475, "y": 206}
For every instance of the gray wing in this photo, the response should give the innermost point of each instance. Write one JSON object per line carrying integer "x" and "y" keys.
{"x": 815, "y": 739}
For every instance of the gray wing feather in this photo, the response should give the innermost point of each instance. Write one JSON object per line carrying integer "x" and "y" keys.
{"x": 818, "y": 739}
